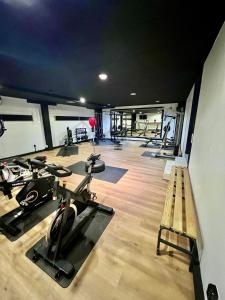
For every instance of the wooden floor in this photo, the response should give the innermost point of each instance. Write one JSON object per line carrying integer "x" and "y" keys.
{"x": 123, "y": 265}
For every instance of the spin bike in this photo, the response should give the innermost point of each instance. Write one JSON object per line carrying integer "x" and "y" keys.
{"x": 75, "y": 209}
{"x": 37, "y": 189}
{"x": 69, "y": 138}
{"x": 13, "y": 172}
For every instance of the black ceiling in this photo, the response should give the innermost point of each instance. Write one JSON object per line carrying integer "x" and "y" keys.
{"x": 54, "y": 50}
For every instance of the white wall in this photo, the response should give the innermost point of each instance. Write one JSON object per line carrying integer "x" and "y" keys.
{"x": 21, "y": 136}
{"x": 186, "y": 123}
{"x": 207, "y": 166}
{"x": 58, "y": 128}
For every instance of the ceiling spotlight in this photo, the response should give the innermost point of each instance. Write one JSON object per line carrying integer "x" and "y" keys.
{"x": 82, "y": 100}
{"x": 140, "y": 112}
{"x": 133, "y": 110}
{"x": 157, "y": 101}
{"x": 133, "y": 94}
{"x": 103, "y": 76}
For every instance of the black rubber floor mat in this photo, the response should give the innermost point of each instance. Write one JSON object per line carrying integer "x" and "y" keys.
{"x": 155, "y": 155}
{"x": 79, "y": 250}
{"x": 70, "y": 150}
{"x": 149, "y": 146}
{"x": 104, "y": 143}
{"x": 28, "y": 222}
{"x": 152, "y": 146}
{"x": 111, "y": 174}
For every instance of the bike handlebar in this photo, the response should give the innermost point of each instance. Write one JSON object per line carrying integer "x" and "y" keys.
{"x": 58, "y": 171}
{"x": 21, "y": 163}
{"x": 93, "y": 157}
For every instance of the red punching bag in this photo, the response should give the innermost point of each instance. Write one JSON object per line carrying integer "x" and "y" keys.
{"x": 92, "y": 122}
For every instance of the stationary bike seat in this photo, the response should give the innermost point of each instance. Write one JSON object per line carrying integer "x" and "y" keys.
{"x": 98, "y": 167}
{"x": 41, "y": 158}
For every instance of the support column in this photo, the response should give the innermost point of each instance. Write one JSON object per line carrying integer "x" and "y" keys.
{"x": 193, "y": 113}
{"x": 46, "y": 125}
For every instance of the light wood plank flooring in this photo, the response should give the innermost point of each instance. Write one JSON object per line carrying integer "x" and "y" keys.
{"x": 123, "y": 265}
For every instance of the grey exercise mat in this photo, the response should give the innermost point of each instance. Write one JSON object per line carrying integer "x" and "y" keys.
{"x": 111, "y": 174}
{"x": 154, "y": 155}
{"x": 67, "y": 151}
{"x": 80, "y": 249}
{"x": 30, "y": 220}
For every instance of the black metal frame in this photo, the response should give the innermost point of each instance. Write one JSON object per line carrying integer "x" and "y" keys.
{"x": 193, "y": 252}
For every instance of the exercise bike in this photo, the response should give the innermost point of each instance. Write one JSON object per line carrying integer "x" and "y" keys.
{"x": 75, "y": 209}
{"x": 69, "y": 138}
{"x": 37, "y": 190}
{"x": 13, "y": 172}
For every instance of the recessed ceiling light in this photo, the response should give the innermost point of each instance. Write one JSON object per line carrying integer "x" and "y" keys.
{"x": 157, "y": 101}
{"x": 133, "y": 94}
{"x": 82, "y": 100}
{"x": 140, "y": 112}
{"x": 103, "y": 76}
{"x": 133, "y": 110}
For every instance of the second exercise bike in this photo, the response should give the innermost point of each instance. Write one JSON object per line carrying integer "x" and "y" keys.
{"x": 75, "y": 210}
{"x": 37, "y": 189}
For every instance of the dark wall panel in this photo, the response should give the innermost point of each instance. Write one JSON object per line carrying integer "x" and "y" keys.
{"x": 16, "y": 118}
{"x": 70, "y": 118}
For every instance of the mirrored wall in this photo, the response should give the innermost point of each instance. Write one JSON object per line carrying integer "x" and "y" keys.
{"x": 137, "y": 122}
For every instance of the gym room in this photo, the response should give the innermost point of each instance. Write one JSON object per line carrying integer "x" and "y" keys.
{"x": 112, "y": 169}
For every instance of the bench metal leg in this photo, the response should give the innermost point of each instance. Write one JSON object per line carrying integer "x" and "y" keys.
{"x": 159, "y": 240}
{"x": 194, "y": 255}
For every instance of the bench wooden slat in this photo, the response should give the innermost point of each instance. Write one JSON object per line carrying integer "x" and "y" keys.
{"x": 167, "y": 211}
{"x": 178, "y": 207}
{"x": 179, "y": 220}
{"x": 191, "y": 226}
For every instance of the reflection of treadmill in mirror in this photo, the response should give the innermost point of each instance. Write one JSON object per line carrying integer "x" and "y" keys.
{"x": 81, "y": 135}
{"x": 175, "y": 140}
{"x": 163, "y": 141}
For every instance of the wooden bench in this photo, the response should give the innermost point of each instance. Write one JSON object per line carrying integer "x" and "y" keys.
{"x": 179, "y": 214}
